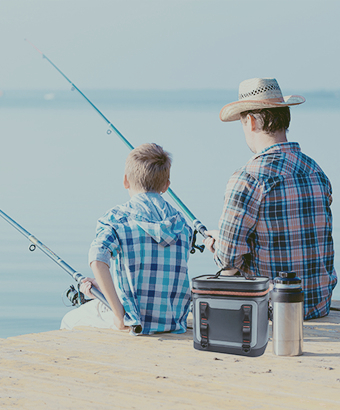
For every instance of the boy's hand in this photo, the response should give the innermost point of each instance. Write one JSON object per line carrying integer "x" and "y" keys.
{"x": 102, "y": 274}
{"x": 119, "y": 323}
{"x": 86, "y": 286}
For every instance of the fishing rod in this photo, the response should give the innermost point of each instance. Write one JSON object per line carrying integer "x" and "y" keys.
{"x": 199, "y": 227}
{"x": 77, "y": 276}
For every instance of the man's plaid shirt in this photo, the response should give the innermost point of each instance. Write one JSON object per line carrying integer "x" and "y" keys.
{"x": 150, "y": 243}
{"x": 277, "y": 217}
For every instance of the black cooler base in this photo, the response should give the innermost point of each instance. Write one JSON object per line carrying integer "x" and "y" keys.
{"x": 230, "y": 350}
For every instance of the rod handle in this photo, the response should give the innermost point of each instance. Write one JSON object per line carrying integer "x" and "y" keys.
{"x": 200, "y": 228}
{"x": 97, "y": 293}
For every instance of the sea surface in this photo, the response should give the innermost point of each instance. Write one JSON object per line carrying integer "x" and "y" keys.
{"x": 60, "y": 170}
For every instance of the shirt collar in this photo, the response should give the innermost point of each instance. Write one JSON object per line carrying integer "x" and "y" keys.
{"x": 280, "y": 147}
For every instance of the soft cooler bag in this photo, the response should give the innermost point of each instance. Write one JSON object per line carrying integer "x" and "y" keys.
{"x": 230, "y": 314}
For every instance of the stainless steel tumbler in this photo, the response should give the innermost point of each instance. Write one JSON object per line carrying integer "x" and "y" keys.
{"x": 287, "y": 302}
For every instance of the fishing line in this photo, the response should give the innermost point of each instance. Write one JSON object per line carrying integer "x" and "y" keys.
{"x": 199, "y": 227}
{"x": 77, "y": 276}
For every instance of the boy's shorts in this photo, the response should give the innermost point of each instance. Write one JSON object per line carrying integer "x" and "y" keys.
{"x": 93, "y": 313}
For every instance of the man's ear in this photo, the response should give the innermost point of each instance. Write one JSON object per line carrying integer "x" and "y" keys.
{"x": 252, "y": 122}
{"x": 126, "y": 182}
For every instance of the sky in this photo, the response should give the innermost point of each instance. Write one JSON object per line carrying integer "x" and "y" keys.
{"x": 170, "y": 44}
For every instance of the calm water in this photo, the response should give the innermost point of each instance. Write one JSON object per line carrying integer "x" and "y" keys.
{"x": 60, "y": 171}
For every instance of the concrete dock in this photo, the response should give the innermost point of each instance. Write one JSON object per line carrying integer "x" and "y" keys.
{"x": 102, "y": 369}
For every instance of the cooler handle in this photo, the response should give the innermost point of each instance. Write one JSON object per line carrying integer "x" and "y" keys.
{"x": 204, "y": 326}
{"x": 238, "y": 273}
{"x": 246, "y": 327}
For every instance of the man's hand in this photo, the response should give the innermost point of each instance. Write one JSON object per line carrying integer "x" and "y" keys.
{"x": 209, "y": 242}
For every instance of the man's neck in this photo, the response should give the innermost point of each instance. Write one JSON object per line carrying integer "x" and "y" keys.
{"x": 264, "y": 140}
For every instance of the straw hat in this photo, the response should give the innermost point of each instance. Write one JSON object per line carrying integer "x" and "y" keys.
{"x": 258, "y": 93}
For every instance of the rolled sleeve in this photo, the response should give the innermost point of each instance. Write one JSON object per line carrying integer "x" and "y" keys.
{"x": 97, "y": 253}
{"x": 106, "y": 244}
{"x": 238, "y": 221}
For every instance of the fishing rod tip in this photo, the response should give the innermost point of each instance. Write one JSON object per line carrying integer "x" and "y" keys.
{"x": 29, "y": 42}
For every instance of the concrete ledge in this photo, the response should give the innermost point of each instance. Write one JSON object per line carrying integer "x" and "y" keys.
{"x": 102, "y": 369}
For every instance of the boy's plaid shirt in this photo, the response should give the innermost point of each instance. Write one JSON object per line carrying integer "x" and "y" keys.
{"x": 277, "y": 217}
{"x": 150, "y": 243}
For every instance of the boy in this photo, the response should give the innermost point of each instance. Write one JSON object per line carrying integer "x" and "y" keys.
{"x": 149, "y": 242}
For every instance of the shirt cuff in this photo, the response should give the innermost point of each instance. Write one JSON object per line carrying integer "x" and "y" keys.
{"x": 100, "y": 254}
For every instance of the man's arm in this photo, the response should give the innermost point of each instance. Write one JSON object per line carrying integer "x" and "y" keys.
{"x": 238, "y": 220}
{"x": 210, "y": 242}
{"x": 102, "y": 274}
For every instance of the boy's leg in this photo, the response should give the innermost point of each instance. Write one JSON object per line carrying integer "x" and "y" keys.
{"x": 93, "y": 313}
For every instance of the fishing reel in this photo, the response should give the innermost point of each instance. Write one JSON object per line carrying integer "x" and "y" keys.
{"x": 76, "y": 297}
{"x": 194, "y": 245}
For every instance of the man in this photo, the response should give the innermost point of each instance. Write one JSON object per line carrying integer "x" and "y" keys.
{"x": 276, "y": 214}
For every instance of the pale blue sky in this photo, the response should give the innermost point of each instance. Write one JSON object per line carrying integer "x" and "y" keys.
{"x": 170, "y": 44}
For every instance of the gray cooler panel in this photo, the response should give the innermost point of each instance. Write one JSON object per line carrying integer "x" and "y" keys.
{"x": 225, "y": 321}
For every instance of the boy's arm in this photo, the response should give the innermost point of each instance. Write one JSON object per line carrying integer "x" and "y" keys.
{"x": 103, "y": 276}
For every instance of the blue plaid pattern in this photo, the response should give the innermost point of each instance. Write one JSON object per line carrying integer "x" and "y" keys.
{"x": 277, "y": 217}
{"x": 150, "y": 243}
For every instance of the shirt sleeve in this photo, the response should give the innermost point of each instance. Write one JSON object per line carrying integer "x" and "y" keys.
{"x": 238, "y": 221}
{"x": 106, "y": 245}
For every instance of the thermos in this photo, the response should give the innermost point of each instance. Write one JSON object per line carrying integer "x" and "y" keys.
{"x": 287, "y": 302}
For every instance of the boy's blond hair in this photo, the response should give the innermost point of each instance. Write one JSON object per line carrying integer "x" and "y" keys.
{"x": 147, "y": 167}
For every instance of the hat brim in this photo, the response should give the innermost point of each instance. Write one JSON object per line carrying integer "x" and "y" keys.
{"x": 231, "y": 112}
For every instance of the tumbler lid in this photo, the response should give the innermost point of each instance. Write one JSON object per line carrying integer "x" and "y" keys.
{"x": 287, "y": 278}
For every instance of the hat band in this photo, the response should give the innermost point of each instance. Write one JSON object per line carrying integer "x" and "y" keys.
{"x": 268, "y": 100}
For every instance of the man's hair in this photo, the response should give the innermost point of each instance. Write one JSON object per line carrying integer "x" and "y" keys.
{"x": 147, "y": 167}
{"x": 271, "y": 119}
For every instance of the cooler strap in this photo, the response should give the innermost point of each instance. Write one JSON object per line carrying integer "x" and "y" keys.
{"x": 204, "y": 326}
{"x": 246, "y": 327}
